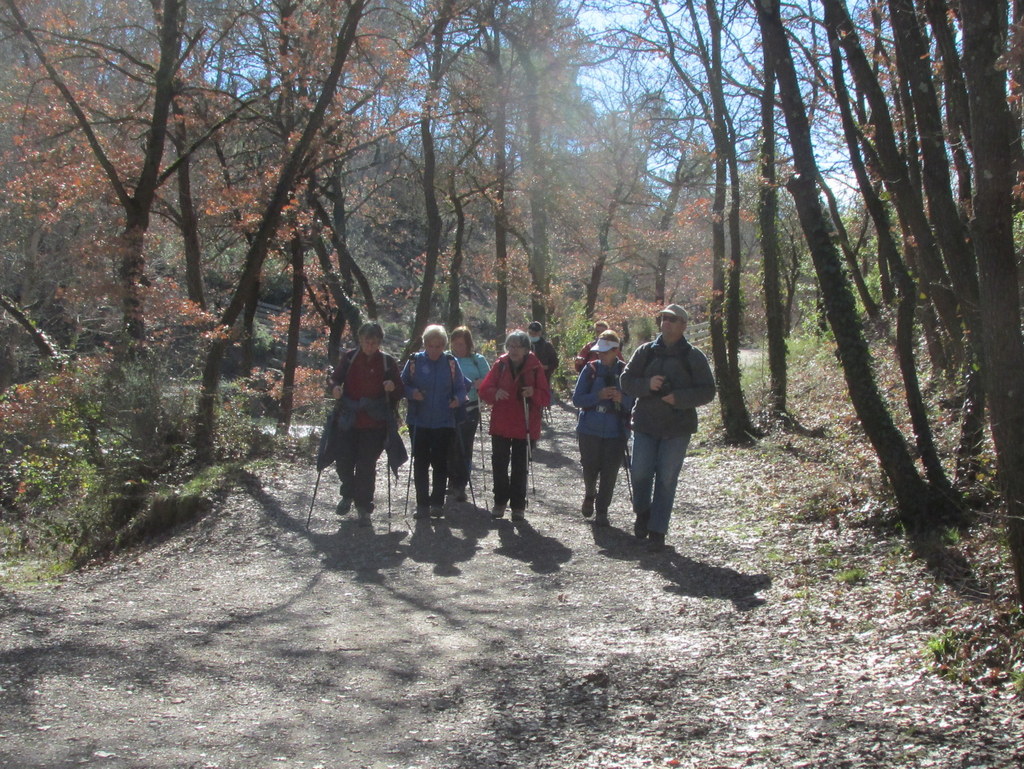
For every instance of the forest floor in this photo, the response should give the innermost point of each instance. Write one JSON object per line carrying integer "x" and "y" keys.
{"x": 776, "y": 630}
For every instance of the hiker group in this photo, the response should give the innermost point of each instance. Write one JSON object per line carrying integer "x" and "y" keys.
{"x": 638, "y": 414}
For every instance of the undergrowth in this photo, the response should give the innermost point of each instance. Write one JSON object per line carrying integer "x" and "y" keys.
{"x": 979, "y": 629}
{"x": 98, "y": 456}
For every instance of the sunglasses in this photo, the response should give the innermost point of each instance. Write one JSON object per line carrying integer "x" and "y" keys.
{"x": 668, "y": 317}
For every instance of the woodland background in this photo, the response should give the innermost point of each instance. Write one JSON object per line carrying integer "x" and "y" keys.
{"x": 203, "y": 199}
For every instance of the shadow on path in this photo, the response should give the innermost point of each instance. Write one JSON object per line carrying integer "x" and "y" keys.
{"x": 519, "y": 540}
{"x": 684, "y": 576}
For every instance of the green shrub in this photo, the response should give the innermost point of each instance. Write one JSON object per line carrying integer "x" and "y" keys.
{"x": 88, "y": 452}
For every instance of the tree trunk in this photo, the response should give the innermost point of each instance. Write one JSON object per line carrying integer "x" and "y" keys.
{"x": 915, "y": 66}
{"x": 897, "y": 175}
{"x": 727, "y": 299}
{"x": 537, "y": 195}
{"x": 493, "y": 52}
{"x": 919, "y": 505}
{"x": 888, "y": 252}
{"x": 871, "y": 308}
{"x": 668, "y": 213}
{"x": 44, "y": 345}
{"x": 291, "y": 356}
{"x": 337, "y": 225}
{"x": 603, "y": 248}
{"x": 189, "y": 218}
{"x": 260, "y": 244}
{"x": 455, "y": 273}
{"x": 957, "y": 110}
{"x": 768, "y": 214}
{"x": 994, "y": 134}
{"x": 432, "y": 249}
{"x": 248, "y": 334}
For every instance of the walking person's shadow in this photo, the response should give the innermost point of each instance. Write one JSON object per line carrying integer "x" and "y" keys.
{"x": 684, "y": 575}
{"x": 366, "y": 551}
{"x": 435, "y": 542}
{"x": 520, "y": 541}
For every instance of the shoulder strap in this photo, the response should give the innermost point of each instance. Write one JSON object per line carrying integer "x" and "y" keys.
{"x": 453, "y": 366}
{"x": 344, "y": 363}
{"x": 648, "y": 354}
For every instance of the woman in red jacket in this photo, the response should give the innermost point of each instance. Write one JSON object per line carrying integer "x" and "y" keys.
{"x": 517, "y": 389}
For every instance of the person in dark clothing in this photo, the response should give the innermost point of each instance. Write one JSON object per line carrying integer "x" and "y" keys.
{"x": 602, "y": 428}
{"x": 544, "y": 350}
{"x": 669, "y": 378}
{"x": 587, "y": 352}
{"x": 368, "y": 383}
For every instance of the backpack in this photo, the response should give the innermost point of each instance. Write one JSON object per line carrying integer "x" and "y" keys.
{"x": 461, "y": 413}
{"x": 591, "y": 368}
{"x": 684, "y": 357}
{"x": 345, "y": 361}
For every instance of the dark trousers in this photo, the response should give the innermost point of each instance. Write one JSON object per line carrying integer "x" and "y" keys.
{"x": 430, "y": 453}
{"x": 509, "y": 487}
{"x": 356, "y": 464}
{"x": 460, "y": 450}
{"x": 600, "y": 458}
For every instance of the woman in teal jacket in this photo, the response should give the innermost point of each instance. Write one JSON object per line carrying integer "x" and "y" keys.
{"x": 460, "y": 453}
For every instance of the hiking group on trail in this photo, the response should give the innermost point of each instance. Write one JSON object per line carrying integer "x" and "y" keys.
{"x": 638, "y": 414}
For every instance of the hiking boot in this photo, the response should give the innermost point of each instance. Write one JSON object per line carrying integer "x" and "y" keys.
{"x": 518, "y": 514}
{"x": 457, "y": 494}
{"x": 655, "y": 541}
{"x": 640, "y": 525}
{"x": 422, "y": 512}
{"x": 344, "y": 505}
{"x": 363, "y": 516}
{"x": 498, "y": 512}
{"x": 437, "y": 511}
{"x": 602, "y": 520}
{"x": 587, "y": 508}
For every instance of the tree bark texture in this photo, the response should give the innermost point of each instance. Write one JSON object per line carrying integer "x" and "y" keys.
{"x": 291, "y": 356}
{"x": 918, "y": 505}
{"x": 994, "y": 133}
{"x": 768, "y": 214}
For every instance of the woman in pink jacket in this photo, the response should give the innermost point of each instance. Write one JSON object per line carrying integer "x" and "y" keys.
{"x": 517, "y": 390}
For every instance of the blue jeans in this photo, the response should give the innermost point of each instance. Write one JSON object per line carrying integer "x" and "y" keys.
{"x": 655, "y": 466}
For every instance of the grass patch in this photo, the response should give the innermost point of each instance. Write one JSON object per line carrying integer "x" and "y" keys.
{"x": 851, "y": 576}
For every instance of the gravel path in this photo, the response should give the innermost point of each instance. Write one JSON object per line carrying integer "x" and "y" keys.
{"x": 248, "y": 641}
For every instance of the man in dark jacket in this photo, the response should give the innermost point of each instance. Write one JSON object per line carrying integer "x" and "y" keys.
{"x": 543, "y": 349}
{"x": 669, "y": 379}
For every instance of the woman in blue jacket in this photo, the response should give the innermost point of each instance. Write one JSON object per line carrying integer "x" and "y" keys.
{"x": 603, "y": 425}
{"x": 436, "y": 388}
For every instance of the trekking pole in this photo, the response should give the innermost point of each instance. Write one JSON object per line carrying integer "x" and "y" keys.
{"x": 387, "y": 469}
{"x": 412, "y": 454}
{"x": 466, "y": 463}
{"x": 627, "y": 461}
{"x": 480, "y": 432}
{"x": 313, "y": 500}
{"x": 529, "y": 447}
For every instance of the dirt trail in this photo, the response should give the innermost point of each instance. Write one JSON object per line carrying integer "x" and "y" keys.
{"x": 248, "y": 641}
